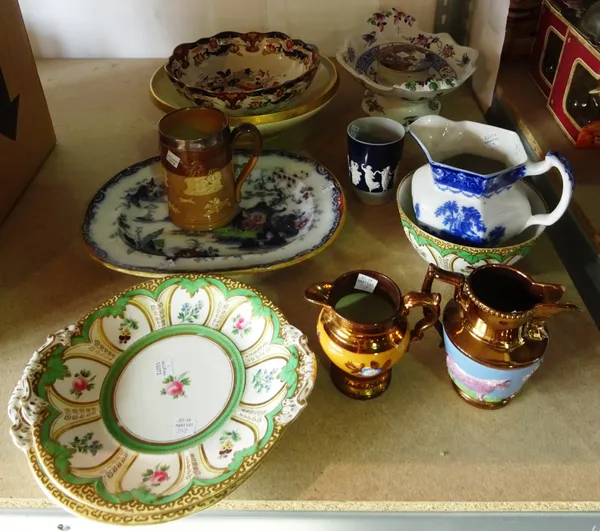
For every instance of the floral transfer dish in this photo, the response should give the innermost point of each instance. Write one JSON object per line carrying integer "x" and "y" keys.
{"x": 165, "y": 397}
{"x": 395, "y": 57}
{"x": 291, "y": 209}
{"x": 243, "y": 71}
{"x": 405, "y": 70}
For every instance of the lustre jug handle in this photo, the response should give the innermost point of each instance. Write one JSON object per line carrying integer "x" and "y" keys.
{"x": 429, "y": 301}
{"x": 246, "y": 129}
{"x": 319, "y": 294}
{"x": 552, "y": 160}
{"x": 456, "y": 279}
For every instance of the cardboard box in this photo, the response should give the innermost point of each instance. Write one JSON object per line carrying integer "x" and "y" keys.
{"x": 26, "y": 132}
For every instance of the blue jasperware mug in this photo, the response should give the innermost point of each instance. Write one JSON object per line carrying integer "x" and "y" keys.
{"x": 375, "y": 147}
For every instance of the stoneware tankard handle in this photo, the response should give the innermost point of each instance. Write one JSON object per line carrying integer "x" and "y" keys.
{"x": 246, "y": 129}
{"x": 430, "y": 302}
{"x": 552, "y": 160}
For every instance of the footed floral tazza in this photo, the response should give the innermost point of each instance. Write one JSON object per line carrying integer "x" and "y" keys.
{"x": 174, "y": 412}
{"x": 393, "y": 56}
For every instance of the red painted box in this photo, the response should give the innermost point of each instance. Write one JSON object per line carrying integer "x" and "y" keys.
{"x": 575, "y": 96}
{"x": 547, "y": 47}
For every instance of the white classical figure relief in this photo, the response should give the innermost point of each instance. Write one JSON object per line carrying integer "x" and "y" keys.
{"x": 386, "y": 177}
{"x": 370, "y": 181}
{"x": 355, "y": 172}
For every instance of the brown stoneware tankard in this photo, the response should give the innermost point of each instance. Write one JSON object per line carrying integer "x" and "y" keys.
{"x": 196, "y": 151}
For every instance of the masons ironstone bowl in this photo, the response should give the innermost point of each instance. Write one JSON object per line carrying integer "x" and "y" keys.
{"x": 243, "y": 72}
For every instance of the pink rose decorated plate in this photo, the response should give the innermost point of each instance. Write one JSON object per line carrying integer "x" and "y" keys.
{"x": 163, "y": 400}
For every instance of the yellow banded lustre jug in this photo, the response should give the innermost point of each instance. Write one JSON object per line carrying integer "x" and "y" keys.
{"x": 363, "y": 328}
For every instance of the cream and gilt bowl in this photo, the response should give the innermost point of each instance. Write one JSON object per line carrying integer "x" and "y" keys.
{"x": 244, "y": 72}
{"x": 271, "y": 123}
{"x": 460, "y": 258}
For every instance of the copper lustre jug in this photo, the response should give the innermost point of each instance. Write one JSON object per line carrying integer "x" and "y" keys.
{"x": 494, "y": 330}
{"x": 363, "y": 328}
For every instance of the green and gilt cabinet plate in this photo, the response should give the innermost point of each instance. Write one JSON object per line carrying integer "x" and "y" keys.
{"x": 167, "y": 396}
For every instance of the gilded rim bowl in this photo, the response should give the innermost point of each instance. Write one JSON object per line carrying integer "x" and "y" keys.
{"x": 164, "y": 96}
{"x": 461, "y": 258}
{"x": 244, "y": 72}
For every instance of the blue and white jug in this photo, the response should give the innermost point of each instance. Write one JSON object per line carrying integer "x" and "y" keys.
{"x": 466, "y": 207}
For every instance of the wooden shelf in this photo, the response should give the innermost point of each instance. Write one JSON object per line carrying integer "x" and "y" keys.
{"x": 418, "y": 447}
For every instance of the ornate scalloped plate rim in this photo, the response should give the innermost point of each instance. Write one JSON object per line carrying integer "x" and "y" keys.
{"x": 121, "y": 268}
{"x": 22, "y": 414}
{"x": 97, "y": 514}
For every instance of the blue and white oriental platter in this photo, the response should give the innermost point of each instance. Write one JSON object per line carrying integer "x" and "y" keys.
{"x": 292, "y": 208}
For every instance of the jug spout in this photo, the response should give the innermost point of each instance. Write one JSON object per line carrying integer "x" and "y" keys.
{"x": 442, "y": 140}
{"x": 547, "y": 293}
{"x": 549, "y": 296}
{"x": 535, "y": 329}
{"x": 546, "y": 310}
{"x": 319, "y": 294}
